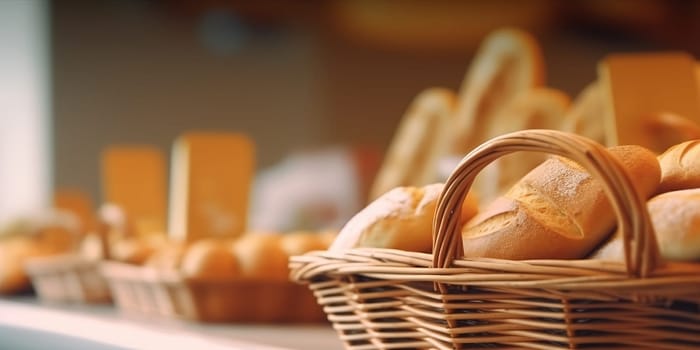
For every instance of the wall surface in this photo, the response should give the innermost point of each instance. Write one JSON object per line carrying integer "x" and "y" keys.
{"x": 138, "y": 72}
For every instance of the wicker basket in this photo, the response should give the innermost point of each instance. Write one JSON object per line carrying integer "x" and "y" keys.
{"x": 391, "y": 299}
{"x": 67, "y": 278}
{"x": 167, "y": 293}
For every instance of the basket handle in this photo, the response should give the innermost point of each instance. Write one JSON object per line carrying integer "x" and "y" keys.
{"x": 641, "y": 251}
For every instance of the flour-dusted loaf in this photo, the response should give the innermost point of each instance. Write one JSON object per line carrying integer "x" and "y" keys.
{"x": 401, "y": 219}
{"x": 557, "y": 211}
{"x": 680, "y": 167}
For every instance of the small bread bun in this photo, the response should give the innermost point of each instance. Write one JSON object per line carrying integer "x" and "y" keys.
{"x": 680, "y": 167}
{"x": 261, "y": 257}
{"x": 401, "y": 219}
{"x": 301, "y": 242}
{"x": 557, "y": 211}
{"x": 676, "y": 219}
{"x": 210, "y": 259}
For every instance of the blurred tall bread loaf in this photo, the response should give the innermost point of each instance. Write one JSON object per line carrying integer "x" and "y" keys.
{"x": 557, "y": 211}
{"x": 421, "y": 139}
{"x": 508, "y": 62}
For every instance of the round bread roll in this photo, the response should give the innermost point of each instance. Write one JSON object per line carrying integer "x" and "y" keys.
{"x": 507, "y": 63}
{"x": 420, "y": 141}
{"x": 680, "y": 167}
{"x": 557, "y": 211}
{"x": 261, "y": 257}
{"x": 401, "y": 219}
{"x": 210, "y": 259}
{"x": 676, "y": 219}
{"x": 301, "y": 242}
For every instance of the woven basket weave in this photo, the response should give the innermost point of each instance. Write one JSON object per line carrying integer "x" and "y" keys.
{"x": 68, "y": 278}
{"x": 147, "y": 291}
{"x": 392, "y": 299}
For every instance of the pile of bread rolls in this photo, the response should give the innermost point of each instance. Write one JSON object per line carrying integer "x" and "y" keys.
{"x": 529, "y": 206}
{"x": 252, "y": 256}
{"x": 38, "y": 235}
{"x": 556, "y": 211}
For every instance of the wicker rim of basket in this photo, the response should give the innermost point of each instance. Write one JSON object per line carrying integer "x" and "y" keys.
{"x": 640, "y": 247}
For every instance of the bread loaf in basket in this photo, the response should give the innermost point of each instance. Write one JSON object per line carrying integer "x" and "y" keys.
{"x": 386, "y": 298}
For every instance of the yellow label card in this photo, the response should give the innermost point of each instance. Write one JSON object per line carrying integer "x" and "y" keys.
{"x": 133, "y": 178}
{"x": 643, "y": 90}
{"x": 211, "y": 175}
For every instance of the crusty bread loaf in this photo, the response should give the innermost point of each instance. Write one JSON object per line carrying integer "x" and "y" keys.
{"x": 557, "y": 211}
{"x": 680, "y": 167}
{"x": 420, "y": 141}
{"x": 676, "y": 219}
{"x": 401, "y": 219}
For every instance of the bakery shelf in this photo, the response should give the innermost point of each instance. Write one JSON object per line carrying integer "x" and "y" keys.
{"x": 26, "y": 323}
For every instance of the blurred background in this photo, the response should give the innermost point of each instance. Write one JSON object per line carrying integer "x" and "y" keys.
{"x": 79, "y": 75}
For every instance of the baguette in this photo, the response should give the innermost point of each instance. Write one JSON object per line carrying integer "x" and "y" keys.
{"x": 557, "y": 211}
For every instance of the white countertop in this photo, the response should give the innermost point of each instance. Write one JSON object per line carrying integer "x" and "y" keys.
{"x": 26, "y": 324}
